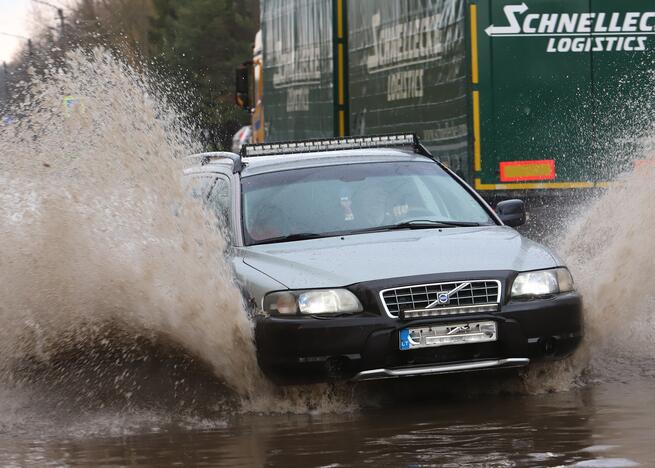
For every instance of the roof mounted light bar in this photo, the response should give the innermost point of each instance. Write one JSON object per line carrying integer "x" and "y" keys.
{"x": 334, "y": 144}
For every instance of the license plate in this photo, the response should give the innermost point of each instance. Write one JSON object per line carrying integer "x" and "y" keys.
{"x": 445, "y": 335}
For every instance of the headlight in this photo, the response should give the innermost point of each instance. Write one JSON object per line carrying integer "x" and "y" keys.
{"x": 542, "y": 283}
{"x": 320, "y": 301}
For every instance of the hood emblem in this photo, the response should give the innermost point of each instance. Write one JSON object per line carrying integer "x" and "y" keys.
{"x": 443, "y": 297}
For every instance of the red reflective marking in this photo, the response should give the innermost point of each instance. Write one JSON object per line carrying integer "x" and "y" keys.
{"x": 547, "y": 164}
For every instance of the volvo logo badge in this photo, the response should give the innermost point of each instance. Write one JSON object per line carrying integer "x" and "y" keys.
{"x": 443, "y": 297}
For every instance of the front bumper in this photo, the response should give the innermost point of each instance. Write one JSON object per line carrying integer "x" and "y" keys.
{"x": 364, "y": 346}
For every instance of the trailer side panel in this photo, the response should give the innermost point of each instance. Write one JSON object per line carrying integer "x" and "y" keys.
{"x": 409, "y": 72}
{"x": 297, "y": 40}
{"x": 565, "y": 91}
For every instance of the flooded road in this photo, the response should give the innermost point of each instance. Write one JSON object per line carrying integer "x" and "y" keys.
{"x": 603, "y": 425}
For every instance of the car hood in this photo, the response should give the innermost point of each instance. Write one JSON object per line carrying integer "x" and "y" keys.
{"x": 341, "y": 261}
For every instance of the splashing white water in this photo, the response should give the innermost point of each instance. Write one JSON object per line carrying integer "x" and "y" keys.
{"x": 610, "y": 251}
{"x": 609, "y": 244}
{"x": 97, "y": 231}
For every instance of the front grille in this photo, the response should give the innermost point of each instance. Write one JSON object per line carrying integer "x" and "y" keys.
{"x": 433, "y": 299}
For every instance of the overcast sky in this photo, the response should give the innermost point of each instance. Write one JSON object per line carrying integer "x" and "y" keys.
{"x": 16, "y": 17}
{"x": 13, "y": 20}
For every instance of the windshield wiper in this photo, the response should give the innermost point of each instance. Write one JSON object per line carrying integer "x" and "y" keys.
{"x": 290, "y": 238}
{"x": 432, "y": 222}
{"x": 413, "y": 224}
{"x": 418, "y": 224}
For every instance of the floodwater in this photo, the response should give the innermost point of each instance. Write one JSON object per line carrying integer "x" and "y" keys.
{"x": 602, "y": 425}
{"x": 123, "y": 340}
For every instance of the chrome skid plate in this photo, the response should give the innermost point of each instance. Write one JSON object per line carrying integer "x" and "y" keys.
{"x": 415, "y": 371}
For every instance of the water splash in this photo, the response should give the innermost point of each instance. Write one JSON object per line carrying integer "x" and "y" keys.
{"x": 97, "y": 233}
{"x": 610, "y": 251}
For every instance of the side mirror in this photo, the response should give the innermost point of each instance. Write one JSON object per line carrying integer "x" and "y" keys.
{"x": 242, "y": 86}
{"x": 511, "y": 212}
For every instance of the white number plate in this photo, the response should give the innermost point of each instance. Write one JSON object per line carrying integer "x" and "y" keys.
{"x": 450, "y": 334}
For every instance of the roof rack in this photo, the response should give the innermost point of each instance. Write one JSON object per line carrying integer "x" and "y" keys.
{"x": 335, "y": 144}
{"x": 206, "y": 158}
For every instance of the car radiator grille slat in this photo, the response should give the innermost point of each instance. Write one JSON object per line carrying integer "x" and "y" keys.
{"x": 475, "y": 293}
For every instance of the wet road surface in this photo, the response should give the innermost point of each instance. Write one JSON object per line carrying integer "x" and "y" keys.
{"x": 602, "y": 425}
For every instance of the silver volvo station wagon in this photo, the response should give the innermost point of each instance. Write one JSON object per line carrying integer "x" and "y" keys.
{"x": 366, "y": 258}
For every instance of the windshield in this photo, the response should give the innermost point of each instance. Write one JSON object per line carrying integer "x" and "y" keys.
{"x": 347, "y": 199}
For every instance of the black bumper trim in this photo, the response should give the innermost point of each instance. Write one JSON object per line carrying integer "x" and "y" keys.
{"x": 307, "y": 349}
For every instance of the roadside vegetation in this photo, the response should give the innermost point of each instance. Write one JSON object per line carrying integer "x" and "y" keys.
{"x": 196, "y": 44}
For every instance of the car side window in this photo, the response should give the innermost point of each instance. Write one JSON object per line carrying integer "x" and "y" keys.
{"x": 199, "y": 186}
{"x": 219, "y": 200}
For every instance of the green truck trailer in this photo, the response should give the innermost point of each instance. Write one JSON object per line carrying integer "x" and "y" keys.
{"x": 532, "y": 96}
